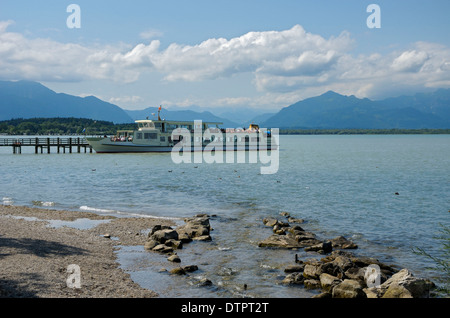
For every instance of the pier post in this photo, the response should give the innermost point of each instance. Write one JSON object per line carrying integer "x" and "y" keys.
{"x": 48, "y": 145}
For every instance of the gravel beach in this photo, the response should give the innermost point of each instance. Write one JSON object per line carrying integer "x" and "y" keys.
{"x": 35, "y": 256}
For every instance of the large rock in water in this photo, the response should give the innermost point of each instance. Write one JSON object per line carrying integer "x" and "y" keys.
{"x": 293, "y": 279}
{"x": 315, "y": 269}
{"x": 328, "y": 282}
{"x": 272, "y": 222}
{"x": 349, "y": 288}
{"x": 312, "y": 271}
{"x": 321, "y": 248}
{"x": 196, "y": 227}
{"x": 162, "y": 236}
{"x": 341, "y": 242}
{"x": 162, "y": 240}
{"x": 280, "y": 241}
{"x": 404, "y": 285}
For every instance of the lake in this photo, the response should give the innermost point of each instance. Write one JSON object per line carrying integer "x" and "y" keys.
{"x": 388, "y": 193}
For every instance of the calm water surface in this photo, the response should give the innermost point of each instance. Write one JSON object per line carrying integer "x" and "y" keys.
{"x": 342, "y": 185}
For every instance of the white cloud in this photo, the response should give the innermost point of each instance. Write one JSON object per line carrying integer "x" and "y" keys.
{"x": 48, "y": 60}
{"x": 285, "y": 65}
{"x": 424, "y": 65}
{"x": 410, "y": 61}
{"x": 4, "y": 25}
{"x": 292, "y": 51}
{"x": 126, "y": 100}
{"x": 150, "y": 34}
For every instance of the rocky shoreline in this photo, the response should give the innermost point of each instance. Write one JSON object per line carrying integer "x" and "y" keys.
{"x": 34, "y": 257}
{"x": 339, "y": 274}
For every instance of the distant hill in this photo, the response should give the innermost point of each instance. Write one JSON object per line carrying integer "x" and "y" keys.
{"x": 26, "y": 99}
{"x": 335, "y": 111}
{"x": 179, "y": 115}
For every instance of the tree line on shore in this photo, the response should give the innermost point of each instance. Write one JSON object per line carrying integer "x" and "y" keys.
{"x": 78, "y": 126}
{"x": 60, "y": 126}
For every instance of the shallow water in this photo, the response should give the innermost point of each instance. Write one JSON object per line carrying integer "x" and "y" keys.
{"x": 342, "y": 185}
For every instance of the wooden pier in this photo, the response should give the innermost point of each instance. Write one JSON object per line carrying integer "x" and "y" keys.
{"x": 47, "y": 143}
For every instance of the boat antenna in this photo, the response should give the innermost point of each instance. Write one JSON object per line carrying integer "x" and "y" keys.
{"x": 159, "y": 110}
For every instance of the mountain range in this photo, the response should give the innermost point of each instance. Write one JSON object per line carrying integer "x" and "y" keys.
{"x": 335, "y": 111}
{"x": 27, "y": 99}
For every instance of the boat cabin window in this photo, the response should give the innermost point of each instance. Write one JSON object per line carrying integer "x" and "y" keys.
{"x": 150, "y": 135}
{"x": 147, "y": 125}
{"x": 139, "y": 135}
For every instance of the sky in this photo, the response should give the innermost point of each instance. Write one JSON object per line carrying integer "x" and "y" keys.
{"x": 231, "y": 54}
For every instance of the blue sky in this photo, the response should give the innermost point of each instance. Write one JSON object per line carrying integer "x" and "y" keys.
{"x": 226, "y": 54}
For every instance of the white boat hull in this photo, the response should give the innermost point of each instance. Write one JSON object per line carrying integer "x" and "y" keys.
{"x": 105, "y": 145}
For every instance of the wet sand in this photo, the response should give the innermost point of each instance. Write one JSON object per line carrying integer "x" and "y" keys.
{"x": 34, "y": 256}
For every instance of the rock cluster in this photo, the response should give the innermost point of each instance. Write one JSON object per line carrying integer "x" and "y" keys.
{"x": 344, "y": 275}
{"x": 294, "y": 236}
{"x": 164, "y": 239}
{"x": 341, "y": 274}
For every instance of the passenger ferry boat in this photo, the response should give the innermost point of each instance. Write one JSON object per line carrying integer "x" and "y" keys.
{"x": 163, "y": 135}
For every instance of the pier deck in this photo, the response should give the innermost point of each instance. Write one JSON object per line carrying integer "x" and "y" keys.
{"x": 39, "y": 144}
